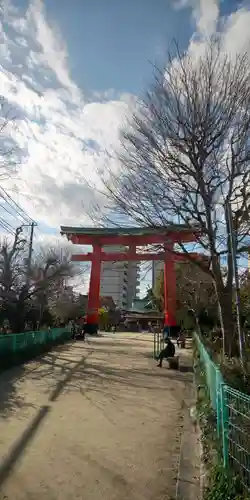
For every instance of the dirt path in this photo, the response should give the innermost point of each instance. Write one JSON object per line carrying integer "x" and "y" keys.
{"x": 95, "y": 421}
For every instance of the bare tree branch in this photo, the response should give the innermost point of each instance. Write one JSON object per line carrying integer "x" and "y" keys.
{"x": 48, "y": 273}
{"x": 186, "y": 154}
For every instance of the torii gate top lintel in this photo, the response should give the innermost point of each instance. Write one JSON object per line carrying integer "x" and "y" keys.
{"x": 131, "y": 235}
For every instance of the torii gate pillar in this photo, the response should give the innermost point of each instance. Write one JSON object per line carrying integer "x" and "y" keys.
{"x": 169, "y": 288}
{"x": 94, "y": 290}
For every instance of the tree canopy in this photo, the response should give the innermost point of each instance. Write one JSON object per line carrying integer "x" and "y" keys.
{"x": 23, "y": 292}
{"x": 185, "y": 158}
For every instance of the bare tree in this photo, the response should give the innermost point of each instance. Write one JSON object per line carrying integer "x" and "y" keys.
{"x": 196, "y": 293}
{"x": 186, "y": 156}
{"x": 11, "y": 266}
{"x": 50, "y": 268}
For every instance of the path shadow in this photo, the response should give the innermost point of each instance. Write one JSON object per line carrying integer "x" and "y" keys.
{"x": 98, "y": 376}
{"x": 11, "y": 400}
{"x": 101, "y": 370}
{"x": 186, "y": 368}
{"x": 67, "y": 379}
{"x": 7, "y": 465}
{"x": 90, "y": 378}
{"x": 21, "y": 444}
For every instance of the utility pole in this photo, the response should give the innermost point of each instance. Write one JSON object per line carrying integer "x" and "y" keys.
{"x": 32, "y": 226}
{"x": 233, "y": 245}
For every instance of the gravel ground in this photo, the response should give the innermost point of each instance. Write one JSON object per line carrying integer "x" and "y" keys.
{"x": 93, "y": 421}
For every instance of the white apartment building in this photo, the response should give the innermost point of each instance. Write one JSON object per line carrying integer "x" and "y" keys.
{"x": 157, "y": 267}
{"x": 120, "y": 280}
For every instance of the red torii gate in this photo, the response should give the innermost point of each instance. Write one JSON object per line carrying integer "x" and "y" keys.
{"x": 131, "y": 238}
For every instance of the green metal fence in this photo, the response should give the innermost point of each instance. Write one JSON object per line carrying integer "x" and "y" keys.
{"x": 214, "y": 381}
{"x": 232, "y": 410}
{"x": 14, "y": 346}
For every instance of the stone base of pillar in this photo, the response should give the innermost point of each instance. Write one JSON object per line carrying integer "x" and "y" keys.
{"x": 173, "y": 330}
{"x": 91, "y": 328}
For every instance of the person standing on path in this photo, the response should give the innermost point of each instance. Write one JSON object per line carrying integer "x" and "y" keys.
{"x": 166, "y": 332}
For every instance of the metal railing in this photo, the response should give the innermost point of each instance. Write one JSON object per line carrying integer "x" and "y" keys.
{"x": 16, "y": 344}
{"x": 232, "y": 410}
{"x": 158, "y": 343}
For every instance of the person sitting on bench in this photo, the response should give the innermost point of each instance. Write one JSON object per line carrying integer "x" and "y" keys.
{"x": 181, "y": 339}
{"x": 167, "y": 352}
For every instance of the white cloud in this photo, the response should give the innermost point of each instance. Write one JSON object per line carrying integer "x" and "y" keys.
{"x": 231, "y": 29}
{"x": 236, "y": 33}
{"x": 62, "y": 141}
{"x": 53, "y": 53}
{"x": 204, "y": 12}
{"x": 206, "y": 15}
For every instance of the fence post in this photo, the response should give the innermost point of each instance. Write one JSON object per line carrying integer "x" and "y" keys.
{"x": 161, "y": 343}
{"x": 154, "y": 343}
{"x": 224, "y": 423}
{"x": 218, "y": 402}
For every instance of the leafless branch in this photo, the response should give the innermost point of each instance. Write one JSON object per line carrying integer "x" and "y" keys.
{"x": 185, "y": 154}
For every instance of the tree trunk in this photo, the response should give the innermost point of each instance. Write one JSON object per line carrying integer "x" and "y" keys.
{"x": 18, "y": 320}
{"x": 227, "y": 320}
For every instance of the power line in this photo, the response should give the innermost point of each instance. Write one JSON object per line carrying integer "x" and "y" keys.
{"x": 6, "y": 210}
{"x": 14, "y": 205}
{"x": 14, "y": 211}
{"x": 7, "y": 227}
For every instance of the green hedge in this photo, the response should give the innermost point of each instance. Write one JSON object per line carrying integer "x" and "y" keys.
{"x": 221, "y": 483}
{"x": 18, "y": 348}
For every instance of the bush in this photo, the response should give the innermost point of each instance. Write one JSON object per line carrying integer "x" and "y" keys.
{"x": 220, "y": 483}
{"x": 223, "y": 486}
{"x": 231, "y": 368}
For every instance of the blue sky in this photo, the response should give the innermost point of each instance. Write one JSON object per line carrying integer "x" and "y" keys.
{"x": 72, "y": 71}
{"x": 111, "y": 43}
{"x": 114, "y": 41}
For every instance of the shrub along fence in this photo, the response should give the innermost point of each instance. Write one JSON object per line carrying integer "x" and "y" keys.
{"x": 232, "y": 410}
{"x": 21, "y": 347}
